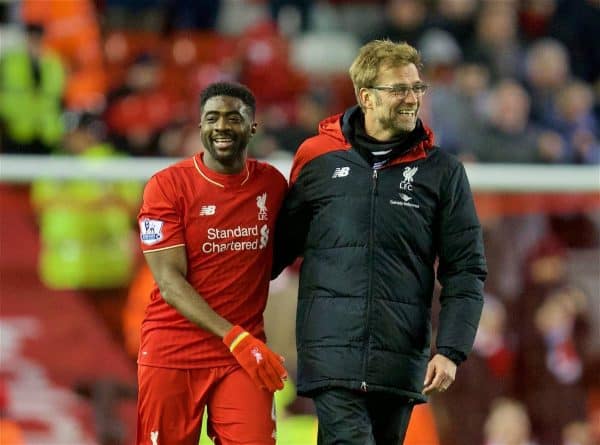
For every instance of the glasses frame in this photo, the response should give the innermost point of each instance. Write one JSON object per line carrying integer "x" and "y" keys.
{"x": 402, "y": 90}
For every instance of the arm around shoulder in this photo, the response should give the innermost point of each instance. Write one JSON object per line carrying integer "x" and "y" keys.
{"x": 291, "y": 229}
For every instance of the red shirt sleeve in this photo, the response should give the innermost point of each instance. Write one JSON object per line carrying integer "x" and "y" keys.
{"x": 160, "y": 220}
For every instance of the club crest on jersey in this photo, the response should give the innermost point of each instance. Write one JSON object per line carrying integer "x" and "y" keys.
{"x": 261, "y": 203}
{"x": 408, "y": 173}
{"x": 151, "y": 231}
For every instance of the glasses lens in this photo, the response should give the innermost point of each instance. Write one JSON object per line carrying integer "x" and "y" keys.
{"x": 404, "y": 90}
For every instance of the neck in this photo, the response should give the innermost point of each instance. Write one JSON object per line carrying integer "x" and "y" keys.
{"x": 232, "y": 168}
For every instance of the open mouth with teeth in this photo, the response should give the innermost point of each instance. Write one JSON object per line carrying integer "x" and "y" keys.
{"x": 222, "y": 143}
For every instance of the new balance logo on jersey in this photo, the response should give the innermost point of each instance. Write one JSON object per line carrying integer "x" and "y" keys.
{"x": 341, "y": 172}
{"x": 207, "y": 210}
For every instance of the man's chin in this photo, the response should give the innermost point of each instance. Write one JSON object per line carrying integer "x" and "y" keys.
{"x": 227, "y": 157}
{"x": 406, "y": 127}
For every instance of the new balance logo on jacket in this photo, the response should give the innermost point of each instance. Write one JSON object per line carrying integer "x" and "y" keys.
{"x": 341, "y": 172}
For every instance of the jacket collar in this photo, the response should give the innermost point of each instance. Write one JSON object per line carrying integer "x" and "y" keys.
{"x": 333, "y": 127}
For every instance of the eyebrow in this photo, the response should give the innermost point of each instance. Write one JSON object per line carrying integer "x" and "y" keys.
{"x": 227, "y": 113}
{"x": 419, "y": 82}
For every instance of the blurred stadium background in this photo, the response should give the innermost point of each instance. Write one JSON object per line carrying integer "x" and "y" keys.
{"x": 95, "y": 96}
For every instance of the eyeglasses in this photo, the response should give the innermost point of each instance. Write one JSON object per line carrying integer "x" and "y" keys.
{"x": 402, "y": 90}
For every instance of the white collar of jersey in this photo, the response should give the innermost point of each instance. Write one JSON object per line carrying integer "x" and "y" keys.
{"x": 212, "y": 181}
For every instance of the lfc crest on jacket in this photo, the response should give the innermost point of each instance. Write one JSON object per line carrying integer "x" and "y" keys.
{"x": 408, "y": 173}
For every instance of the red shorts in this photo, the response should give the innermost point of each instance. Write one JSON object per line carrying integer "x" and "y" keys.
{"x": 171, "y": 404}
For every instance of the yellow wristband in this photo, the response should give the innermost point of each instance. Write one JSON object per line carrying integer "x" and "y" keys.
{"x": 237, "y": 341}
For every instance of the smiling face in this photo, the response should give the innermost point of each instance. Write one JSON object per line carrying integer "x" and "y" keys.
{"x": 226, "y": 126}
{"x": 388, "y": 114}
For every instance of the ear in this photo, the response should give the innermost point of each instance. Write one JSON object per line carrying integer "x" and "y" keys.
{"x": 367, "y": 100}
{"x": 253, "y": 128}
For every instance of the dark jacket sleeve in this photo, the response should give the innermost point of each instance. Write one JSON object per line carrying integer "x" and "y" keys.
{"x": 291, "y": 229}
{"x": 462, "y": 269}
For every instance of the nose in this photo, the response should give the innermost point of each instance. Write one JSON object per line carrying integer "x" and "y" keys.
{"x": 411, "y": 96}
{"x": 221, "y": 123}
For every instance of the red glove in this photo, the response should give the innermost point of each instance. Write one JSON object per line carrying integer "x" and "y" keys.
{"x": 263, "y": 365}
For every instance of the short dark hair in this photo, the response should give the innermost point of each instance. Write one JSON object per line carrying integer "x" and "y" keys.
{"x": 230, "y": 89}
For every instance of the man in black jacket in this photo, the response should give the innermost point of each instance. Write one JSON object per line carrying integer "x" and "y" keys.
{"x": 375, "y": 209}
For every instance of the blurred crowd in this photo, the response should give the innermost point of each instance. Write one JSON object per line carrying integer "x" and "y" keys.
{"x": 512, "y": 81}
{"x": 533, "y": 376}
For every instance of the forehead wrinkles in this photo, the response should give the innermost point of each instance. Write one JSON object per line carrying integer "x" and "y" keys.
{"x": 400, "y": 74}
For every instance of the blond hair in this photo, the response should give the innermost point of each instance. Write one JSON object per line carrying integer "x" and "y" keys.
{"x": 378, "y": 54}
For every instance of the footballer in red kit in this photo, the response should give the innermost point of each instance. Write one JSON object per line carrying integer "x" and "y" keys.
{"x": 226, "y": 224}
{"x": 206, "y": 227}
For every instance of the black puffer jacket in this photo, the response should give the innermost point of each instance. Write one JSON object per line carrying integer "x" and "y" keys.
{"x": 370, "y": 240}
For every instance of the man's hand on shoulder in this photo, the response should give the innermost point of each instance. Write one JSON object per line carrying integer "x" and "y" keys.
{"x": 441, "y": 372}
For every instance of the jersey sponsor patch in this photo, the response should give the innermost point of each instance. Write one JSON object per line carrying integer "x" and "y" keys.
{"x": 151, "y": 231}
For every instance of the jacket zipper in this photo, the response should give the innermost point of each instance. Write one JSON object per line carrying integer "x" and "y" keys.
{"x": 363, "y": 385}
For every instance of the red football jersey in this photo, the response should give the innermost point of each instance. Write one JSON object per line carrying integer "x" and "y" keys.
{"x": 226, "y": 223}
